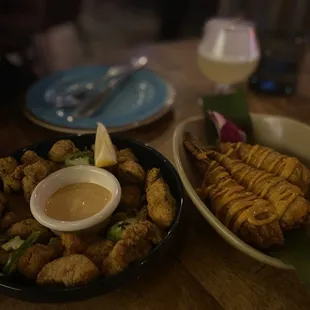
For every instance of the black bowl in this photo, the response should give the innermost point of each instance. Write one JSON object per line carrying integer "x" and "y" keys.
{"x": 20, "y": 288}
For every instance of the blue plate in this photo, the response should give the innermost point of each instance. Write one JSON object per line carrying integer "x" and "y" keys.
{"x": 144, "y": 98}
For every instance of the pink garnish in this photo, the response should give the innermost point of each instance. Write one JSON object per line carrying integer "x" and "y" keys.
{"x": 227, "y": 131}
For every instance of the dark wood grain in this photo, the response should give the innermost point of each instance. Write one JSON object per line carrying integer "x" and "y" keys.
{"x": 208, "y": 273}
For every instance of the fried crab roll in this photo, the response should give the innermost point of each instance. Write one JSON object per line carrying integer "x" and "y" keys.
{"x": 251, "y": 218}
{"x": 292, "y": 208}
{"x": 267, "y": 159}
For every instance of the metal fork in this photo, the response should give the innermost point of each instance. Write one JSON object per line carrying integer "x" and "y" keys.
{"x": 94, "y": 104}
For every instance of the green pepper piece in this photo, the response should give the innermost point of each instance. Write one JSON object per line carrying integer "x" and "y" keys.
{"x": 115, "y": 231}
{"x": 17, "y": 254}
{"x": 80, "y": 158}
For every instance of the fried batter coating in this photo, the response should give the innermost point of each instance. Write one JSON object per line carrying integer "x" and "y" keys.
{"x": 35, "y": 173}
{"x": 61, "y": 149}
{"x": 293, "y": 209}
{"x": 123, "y": 254}
{"x": 131, "y": 197}
{"x": 30, "y": 157}
{"x": 8, "y": 219}
{"x": 98, "y": 251}
{"x": 12, "y": 182}
{"x": 72, "y": 243}
{"x": 144, "y": 229}
{"x": 40, "y": 169}
{"x": 72, "y": 270}
{"x": 135, "y": 245}
{"x": 28, "y": 186}
{"x": 7, "y": 166}
{"x": 253, "y": 219}
{"x": 126, "y": 154}
{"x": 161, "y": 205}
{"x": 33, "y": 260}
{"x": 143, "y": 214}
{"x": 152, "y": 176}
{"x": 24, "y": 229}
{"x": 267, "y": 159}
{"x": 131, "y": 172}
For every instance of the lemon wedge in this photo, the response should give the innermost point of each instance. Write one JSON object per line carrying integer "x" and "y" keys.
{"x": 105, "y": 154}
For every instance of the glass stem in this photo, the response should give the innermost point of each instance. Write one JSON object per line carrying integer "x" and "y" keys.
{"x": 223, "y": 89}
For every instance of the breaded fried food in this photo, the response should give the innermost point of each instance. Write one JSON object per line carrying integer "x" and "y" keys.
{"x": 264, "y": 158}
{"x": 72, "y": 243}
{"x": 135, "y": 245}
{"x": 126, "y": 154}
{"x": 131, "y": 197}
{"x": 98, "y": 251}
{"x": 34, "y": 174}
{"x": 24, "y": 229}
{"x": 143, "y": 214}
{"x": 292, "y": 208}
{"x": 123, "y": 254}
{"x": 28, "y": 186}
{"x": 61, "y": 149}
{"x": 72, "y": 270}
{"x": 7, "y": 166}
{"x": 130, "y": 171}
{"x": 152, "y": 176}
{"x": 253, "y": 219}
{"x": 143, "y": 229}
{"x": 33, "y": 260}
{"x": 12, "y": 182}
{"x": 40, "y": 169}
{"x": 30, "y": 157}
{"x": 9, "y": 218}
{"x": 160, "y": 203}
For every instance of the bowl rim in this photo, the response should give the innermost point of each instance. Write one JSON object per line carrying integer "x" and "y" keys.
{"x": 71, "y": 226}
{"x": 223, "y": 231}
{"x": 51, "y": 294}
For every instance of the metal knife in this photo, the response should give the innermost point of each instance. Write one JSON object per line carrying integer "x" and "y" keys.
{"x": 94, "y": 104}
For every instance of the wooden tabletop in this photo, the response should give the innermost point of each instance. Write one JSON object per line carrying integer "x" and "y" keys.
{"x": 207, "y": 273}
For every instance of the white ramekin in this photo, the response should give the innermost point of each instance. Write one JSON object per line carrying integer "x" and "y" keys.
{"x": 72, "y": 175}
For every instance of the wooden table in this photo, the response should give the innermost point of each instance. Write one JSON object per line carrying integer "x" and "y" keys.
{"x": 208, "y": 273}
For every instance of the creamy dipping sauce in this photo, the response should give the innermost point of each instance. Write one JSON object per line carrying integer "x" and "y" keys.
{"x": 77, "y": 201}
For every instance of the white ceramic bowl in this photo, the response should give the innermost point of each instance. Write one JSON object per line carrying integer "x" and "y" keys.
{"x": 281, "y": 133}
{"x": 72, "y": 175}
